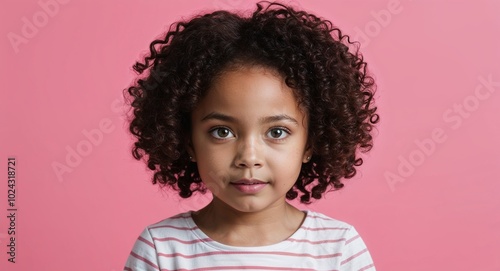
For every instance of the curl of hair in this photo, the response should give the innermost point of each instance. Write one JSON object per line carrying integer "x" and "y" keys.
{"x": 310, "y": 53}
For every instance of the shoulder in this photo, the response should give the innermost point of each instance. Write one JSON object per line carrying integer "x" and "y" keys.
{"x": 318, "y": 224}
{"x": 175, "y": 220}
{"x": 179, "y": 226}
{"x": 319, "y": 227}
{"x": 173, "y": 225}
{"x": 353, "y": 250}
{"x": 321, "y": 220}
{"x": 156, "y": 236}
{"x": 337, "y": 227}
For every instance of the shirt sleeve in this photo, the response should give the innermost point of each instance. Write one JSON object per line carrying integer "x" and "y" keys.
{"x": 355, "y": 254}
{"x": 143, "y": 256}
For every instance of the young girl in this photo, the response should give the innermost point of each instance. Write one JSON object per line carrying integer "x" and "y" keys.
{"x": 257, "y": 110}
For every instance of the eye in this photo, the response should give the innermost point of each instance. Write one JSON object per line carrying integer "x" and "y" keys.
{"x": 278, "y": 133}
{"x": 221, "y": 132}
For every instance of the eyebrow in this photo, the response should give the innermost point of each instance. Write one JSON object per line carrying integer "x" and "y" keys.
{"x": 269, "y": 119}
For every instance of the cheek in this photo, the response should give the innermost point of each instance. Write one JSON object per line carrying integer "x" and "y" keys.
{"x": 213, "y": 175}
{"x": 289, "y": 153}
{"x": 212, "y": 165}
{"x": 285, "y": 162}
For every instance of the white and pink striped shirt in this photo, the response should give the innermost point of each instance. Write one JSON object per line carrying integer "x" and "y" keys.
{"x": 321, "y": 243}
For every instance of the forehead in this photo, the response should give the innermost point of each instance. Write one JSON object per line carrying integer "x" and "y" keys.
{"x": 249, "y": 93}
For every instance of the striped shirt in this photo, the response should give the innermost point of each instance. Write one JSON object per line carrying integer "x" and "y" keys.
{"x": 321, "y": 243}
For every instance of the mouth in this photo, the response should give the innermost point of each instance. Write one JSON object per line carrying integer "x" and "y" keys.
{"x": 249, "y": 186}
{"x": 245, "y": 181}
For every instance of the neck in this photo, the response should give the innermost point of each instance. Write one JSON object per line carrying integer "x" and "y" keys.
{"x": 229, "y": 226}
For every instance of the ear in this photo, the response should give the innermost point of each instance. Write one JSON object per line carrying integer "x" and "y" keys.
{"x": 190, "y": 151}
{"x": 307, "y": 154}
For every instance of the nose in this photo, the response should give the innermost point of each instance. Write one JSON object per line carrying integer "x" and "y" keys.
{"x": 249, "y": 153}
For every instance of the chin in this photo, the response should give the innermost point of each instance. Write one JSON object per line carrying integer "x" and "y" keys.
{"x": 250, "y": 207}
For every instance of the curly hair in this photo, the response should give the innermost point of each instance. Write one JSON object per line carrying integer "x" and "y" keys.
{"x": 329, "y": 81}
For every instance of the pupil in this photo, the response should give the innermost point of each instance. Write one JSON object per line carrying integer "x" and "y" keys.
{"x": 223, "y": 132}
{"x": 277, "y": 133}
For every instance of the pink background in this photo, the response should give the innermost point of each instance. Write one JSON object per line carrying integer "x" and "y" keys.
{"x": 426, "y": 198}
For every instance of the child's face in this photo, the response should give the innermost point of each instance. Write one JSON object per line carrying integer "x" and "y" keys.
{"x": 249, "y": 126}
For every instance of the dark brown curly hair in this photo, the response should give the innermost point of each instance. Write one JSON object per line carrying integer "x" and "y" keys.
{"x": 329, "y": 81}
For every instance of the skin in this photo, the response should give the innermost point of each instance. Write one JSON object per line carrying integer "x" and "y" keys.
{"x": 230, "y": 141}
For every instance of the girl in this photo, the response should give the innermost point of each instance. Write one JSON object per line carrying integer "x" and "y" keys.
{"x": 257, "y": 110}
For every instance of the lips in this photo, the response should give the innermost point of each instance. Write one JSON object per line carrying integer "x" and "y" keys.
{"x": 249, "y": 181}
{"x": 249, "y": 186}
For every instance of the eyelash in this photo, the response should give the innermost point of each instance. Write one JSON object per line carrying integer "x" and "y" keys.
{"x": 286, "y": 130}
